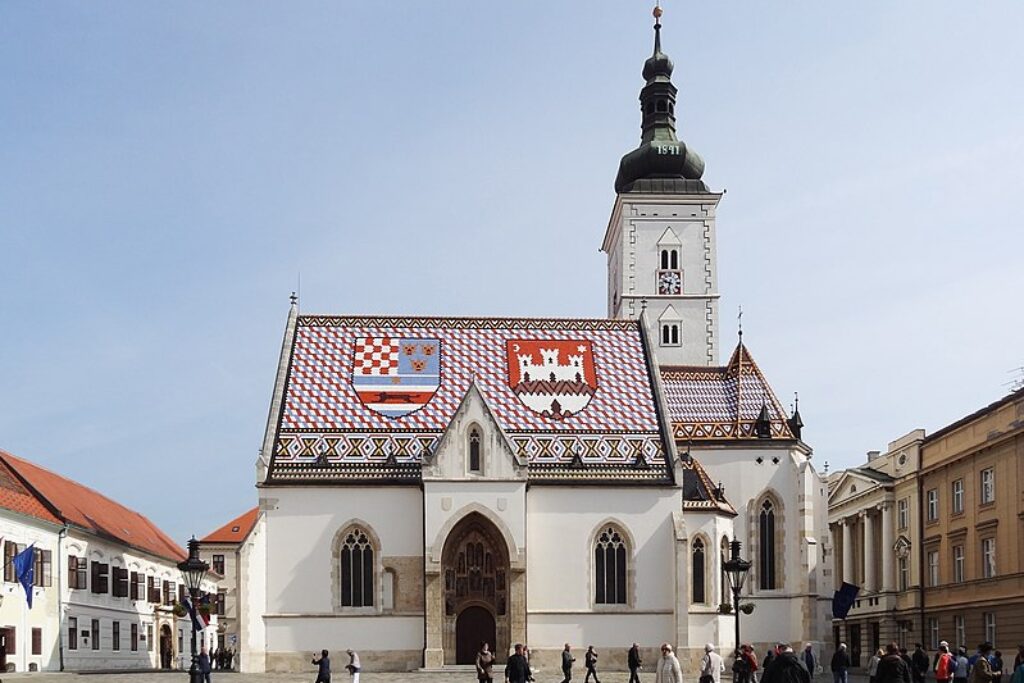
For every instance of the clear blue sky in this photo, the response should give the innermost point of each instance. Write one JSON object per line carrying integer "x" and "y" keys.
{"x": 168, "y": 170}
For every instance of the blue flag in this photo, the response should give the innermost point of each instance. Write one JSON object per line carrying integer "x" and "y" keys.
{"x": 25, "y": 570}
{"x": 843, "y": 600}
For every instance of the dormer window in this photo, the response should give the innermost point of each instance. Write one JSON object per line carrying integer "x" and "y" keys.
{"x": 475, "y": 463}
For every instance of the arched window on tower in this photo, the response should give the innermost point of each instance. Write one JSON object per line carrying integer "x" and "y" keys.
{"x": 356, "y": 558}
{"x": 699, "y": 569}
{"x": 766, "y": 543}
{"x": 674, "y": 259}
{"x": 475, "y": 456}
{"x": 610, "y": 567}
{"x": 670, "y": 334}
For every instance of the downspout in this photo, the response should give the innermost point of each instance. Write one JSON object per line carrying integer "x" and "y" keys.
{"x": 920, "y": 551}
{"x": 60, "y": 595}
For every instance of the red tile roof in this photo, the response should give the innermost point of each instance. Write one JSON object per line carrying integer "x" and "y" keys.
{"x": 14, "y": 496}
{"x": 81, "y": 506}
{"x": 234, "y": 531}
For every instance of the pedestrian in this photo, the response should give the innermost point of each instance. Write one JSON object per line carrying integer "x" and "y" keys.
{"x": 741, "y": 666}
{"x": 945, "y": 664}
{"x": 748, "y": 653}
{"x": 891, "y": 668}
{"x": 983, "y": 671}
{"x": 919, "y": 661}
{"x": 907, "y": 660}
{"x": 204, "y": 665}
{"x": 353, "y": 666}
{"x": 517, "y": 668}
{"x": 529, "y": 667}
{"x": 963, "y": 666}
{"x": 1019, "y": 659}
{"x": 485, "y": 664}
{"x": 590, "y": 661}
{"x": 786, "y": 667}
{"x": 809, "y": 660}
{"x": 772, "y": 653}
{"x": 873, "y": 665}
{"x": 215, "y": 658}
{"x": 1018, "y": 672}
{"x": 323, "y": 667}
{"x": 567, "y": 660}
{"x": 668, "y": 669}
{"x": 634, "y": 662}
{"x": 711, "y": 665}
{"x": 840, "y": 665}
{"x": 997, "y": 665}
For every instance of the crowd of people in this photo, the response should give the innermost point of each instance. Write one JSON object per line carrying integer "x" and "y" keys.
{"x": 781, "y": 664}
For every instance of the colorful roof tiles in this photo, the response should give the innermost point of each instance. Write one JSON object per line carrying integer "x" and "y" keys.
{"x": 374, "y": 390}
{"x": 721, "y": 402}
{"x": 81, "y": 506}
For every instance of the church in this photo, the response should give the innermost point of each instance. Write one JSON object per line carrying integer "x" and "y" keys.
{"x": 430, "y": 483}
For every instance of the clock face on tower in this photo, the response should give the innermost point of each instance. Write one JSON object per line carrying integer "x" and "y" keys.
{"x": 670, "y": 282}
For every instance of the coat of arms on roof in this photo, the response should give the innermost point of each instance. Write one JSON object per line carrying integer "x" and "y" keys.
{"x": 396, "y": 376}
{"x": 553, "y": 377}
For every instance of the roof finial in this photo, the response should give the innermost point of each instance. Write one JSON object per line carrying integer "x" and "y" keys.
{"x": 643, "y": 304}
{"x": 294, "y": 299}
{"x": 657, "y": 26}
{"x": 739, "y": 319}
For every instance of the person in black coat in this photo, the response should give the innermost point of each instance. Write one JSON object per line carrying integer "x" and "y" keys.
{"x": 323, "y": 671}
{"x": 892, "y": 668}
{"x": 840, "y": 664}
{"x": 204, "y": 665}
{"x": 786, "y": 667}
{"x": 920, "y": 664}
{"x": 567, "y": 660}
{"x": 517, "y": 669}
{"x": 634, "y": 662}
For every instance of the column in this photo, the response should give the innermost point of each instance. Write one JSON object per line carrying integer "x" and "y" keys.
{"x": 869, "y": 552}
{"x": 888, "y": 570}
{"x": 847, "y": 552}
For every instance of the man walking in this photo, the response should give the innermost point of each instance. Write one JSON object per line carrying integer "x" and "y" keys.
{"x": 711, "y": 665}
{"x": 590, "y": 661}
{"x": 982, "y": 671}
{"x": 920, "y": 663}
{"x": 323, "y": 667}
{"x": 567, "y": 660}
{"x": 634, "y": 662}
{"x": 809, "y": 660}
{"x": 892, "y": 668}
{"x": 786, "y": 667}
{"x": 840, "y": 665}
{"x": 517, "y": 669}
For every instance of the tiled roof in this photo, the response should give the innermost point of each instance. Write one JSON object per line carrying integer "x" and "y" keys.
{"x": 721, "y": 402}
{"x": 352, "y": 397}
{"x": 16, "y": 498}
{"x": 90, "y": 510}
{"x": 699, "y": 494}
{"x": 234, "y": 531}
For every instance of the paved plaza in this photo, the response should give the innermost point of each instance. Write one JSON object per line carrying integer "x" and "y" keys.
{"x": 411, "y": 677}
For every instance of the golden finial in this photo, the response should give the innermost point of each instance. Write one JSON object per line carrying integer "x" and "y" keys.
{"x": 657, "y": 10}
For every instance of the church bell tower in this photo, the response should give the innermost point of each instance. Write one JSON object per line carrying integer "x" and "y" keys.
{"x": 660, "y": 239}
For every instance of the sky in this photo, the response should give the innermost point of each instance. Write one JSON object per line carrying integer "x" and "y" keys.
{"x": 170, "y": 172}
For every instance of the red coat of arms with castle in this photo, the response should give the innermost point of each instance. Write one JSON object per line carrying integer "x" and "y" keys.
{"x": 553, "y": 377}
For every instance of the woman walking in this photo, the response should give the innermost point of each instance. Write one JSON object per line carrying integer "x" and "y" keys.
{"x": 485, "y": 664}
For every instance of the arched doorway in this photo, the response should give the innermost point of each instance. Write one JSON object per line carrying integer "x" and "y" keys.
{"x": 473, "y": 627}
{"x": 475, "y": 567}
{"x": 166, "y": 647}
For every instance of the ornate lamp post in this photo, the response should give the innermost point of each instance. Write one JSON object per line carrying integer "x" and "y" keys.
{"x": 737, "y": 568}
{"x": 193, "y": 570}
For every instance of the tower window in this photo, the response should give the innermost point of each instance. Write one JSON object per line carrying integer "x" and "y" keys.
{"x": 662, "y": 106}
{"x": 670, "y": 334}
{"x": 670, "y": 259}
{"x": 474, "y": 450}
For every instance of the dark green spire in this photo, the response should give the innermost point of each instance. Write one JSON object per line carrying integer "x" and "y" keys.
{"x": 662, "y": 163}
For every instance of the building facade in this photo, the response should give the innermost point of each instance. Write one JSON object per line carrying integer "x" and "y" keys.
{"x": 106, "y": 580}
{"x": 931, "y": 532}
{"x": 224, "y": 550}
{"x": 428, "y": 483}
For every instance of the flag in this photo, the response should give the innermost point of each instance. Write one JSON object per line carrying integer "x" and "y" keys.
{"x": 843, "y": 600}
{"x": 199, "y": 622}
{"x": 25, "y": 570}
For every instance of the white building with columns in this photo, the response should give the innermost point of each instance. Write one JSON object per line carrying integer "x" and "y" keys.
{"x": 423, "y": 489}
{"x": 872, "y": 516}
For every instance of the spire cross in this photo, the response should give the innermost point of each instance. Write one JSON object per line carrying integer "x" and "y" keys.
{"x": 739, "y": 319}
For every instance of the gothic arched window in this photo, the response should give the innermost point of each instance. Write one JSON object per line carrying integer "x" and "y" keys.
{"x": 699, "y": 569}
{"x": 356, "y": 558}
{"x": 670, "y": 334}
{"x": 475, "y": 463}
{"x": 610, "y": 567}
{"x": 723, "y": 555}
{"x": 670, "y": 259}
{"x": 766, "y": 545}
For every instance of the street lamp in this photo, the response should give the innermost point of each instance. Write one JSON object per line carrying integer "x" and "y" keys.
{"x": 193, "y": 570}
{"x": 737, "y": 568}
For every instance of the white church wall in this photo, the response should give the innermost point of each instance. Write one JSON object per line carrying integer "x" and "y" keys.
{"x": 561, "y": 525}
{"x": 301, "y": 525}
{"x": 306, "y": 636}
{"x": 446, "y": 502}
{"x": 252, "y": 592}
